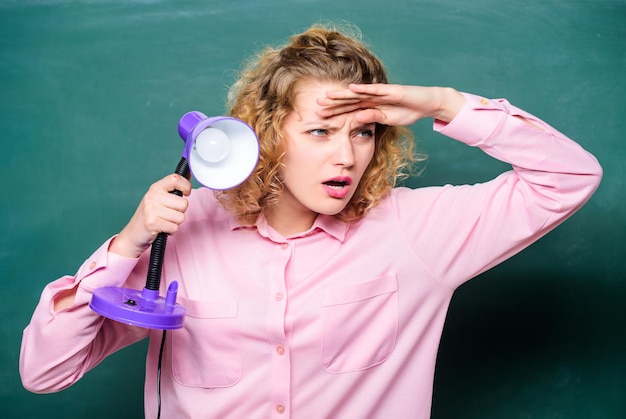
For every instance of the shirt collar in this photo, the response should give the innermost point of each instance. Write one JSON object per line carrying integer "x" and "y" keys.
{"x": 327, "y": 223}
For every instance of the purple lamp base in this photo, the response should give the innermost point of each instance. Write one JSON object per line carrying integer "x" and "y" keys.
{"x": 139, "y": 308}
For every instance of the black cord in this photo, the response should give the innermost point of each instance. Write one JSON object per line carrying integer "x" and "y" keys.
{"x": 159, "y": 375}
{"x": 153, "y": 279}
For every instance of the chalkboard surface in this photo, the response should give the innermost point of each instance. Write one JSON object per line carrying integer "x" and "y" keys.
{"x": 90, "y": 97}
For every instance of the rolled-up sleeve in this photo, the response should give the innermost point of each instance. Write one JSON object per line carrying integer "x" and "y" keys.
{"x": 58, "y": 348}
{"x": 461, "y": 231}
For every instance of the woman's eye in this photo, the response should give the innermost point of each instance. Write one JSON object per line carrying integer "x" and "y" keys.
{"x": 366, "y": 133}
{"x": 318, "y": 132}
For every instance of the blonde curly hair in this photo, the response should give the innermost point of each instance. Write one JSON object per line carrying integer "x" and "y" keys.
{"x": 264, "y": 95}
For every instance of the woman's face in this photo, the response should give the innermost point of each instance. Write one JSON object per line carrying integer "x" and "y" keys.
{"x": 324, "y": 161}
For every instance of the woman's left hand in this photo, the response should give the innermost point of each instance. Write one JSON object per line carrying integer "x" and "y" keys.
{"x": 392, "y": 104}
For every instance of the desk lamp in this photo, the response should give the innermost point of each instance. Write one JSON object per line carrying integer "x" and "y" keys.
{"x": 221, "y": 153}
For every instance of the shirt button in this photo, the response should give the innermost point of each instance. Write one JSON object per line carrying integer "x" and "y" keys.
{"x": 280, "y": 350}
{"x": 278, "y": 296}
{"x": 280, "y": 409}
{"x": 284, "y": 246}
{"x": 93, "y": 264}
{"x": 484, "y": 101}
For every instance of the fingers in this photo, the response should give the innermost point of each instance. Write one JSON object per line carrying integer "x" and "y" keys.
{"x": 331, "y": 107}
{"x": 159, "y": 211}
{"x": 162, "y": 214}
{"x": 347, "y": 98}
{"x": 357, "y": 97}
{"x": 162, "y": 210}
{"x": 362, "y": 91}
{"x": 363, "y": 114}
{"x": 174, "y": 182}
{"x": 342, "y": 101}
{"x": 371, "y": 88}
{"x": 368, "y": 116}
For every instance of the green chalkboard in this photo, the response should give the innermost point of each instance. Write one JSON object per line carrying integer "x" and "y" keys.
{"x": 90, "y": 96}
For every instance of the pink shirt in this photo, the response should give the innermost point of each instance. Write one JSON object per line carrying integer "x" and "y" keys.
{"x": 341, "y": 321}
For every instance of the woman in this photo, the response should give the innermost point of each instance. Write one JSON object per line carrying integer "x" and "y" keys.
{"x": 316, "y": 288}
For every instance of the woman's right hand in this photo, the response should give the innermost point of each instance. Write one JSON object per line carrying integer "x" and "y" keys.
{"x": 160, "y": 211}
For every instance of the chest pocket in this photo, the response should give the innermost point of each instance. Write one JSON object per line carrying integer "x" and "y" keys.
{"x": 206, "y": 352}
{"x": 360, "y": 324}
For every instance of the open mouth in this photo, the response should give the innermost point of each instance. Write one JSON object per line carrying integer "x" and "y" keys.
{"x": 338, "y": 187}
{"x": 336, "y": 184}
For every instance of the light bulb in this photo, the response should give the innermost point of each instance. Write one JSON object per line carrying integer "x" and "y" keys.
{"x": 212, "y": 145}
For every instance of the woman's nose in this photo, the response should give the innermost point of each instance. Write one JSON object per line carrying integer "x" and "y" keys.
{"x": 343, "y": 152}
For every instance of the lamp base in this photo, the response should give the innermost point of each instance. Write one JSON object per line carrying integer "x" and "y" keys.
{"x": 139, "y": 308}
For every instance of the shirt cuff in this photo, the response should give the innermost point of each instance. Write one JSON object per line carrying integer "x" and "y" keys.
{"x": 476, "y": 121}
{"x": 105, "y": 269}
